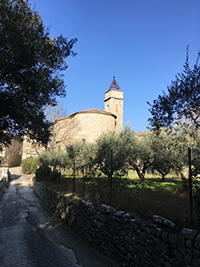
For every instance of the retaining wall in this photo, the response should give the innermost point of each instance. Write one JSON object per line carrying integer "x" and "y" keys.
{"x": 122, "y": 236}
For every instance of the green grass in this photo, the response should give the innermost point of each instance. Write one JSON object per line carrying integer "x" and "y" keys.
{"x": 168, "y": 199}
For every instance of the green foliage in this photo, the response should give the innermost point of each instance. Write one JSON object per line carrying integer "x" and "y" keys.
{"x": 42, "y": 173}
{"x": 110, "y": 154}
{"x": 54, "y": 159}
{"x": 83, "y": 155}
{"x": 181, "y": 100}
{"x": 163, "y": 149}
{"x": 194, "y": 143}
{"x": 197, "y": 200}
{"x": 54, "y": 176}
{"x": 169, "y": 150}
{"x": 196, "y": 193}
{"x": 30, "y": 71}
{"x": 139, "y": 155}
{"x": 162, "y": 146}
{"x": 44, "y": 158}
{"x": 29, "y": 165}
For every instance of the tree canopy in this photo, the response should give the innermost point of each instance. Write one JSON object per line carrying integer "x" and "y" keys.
{"x": 182, "y": 100}
{"x": 110, "y": 155}
{"x": 169, "y": 149}
{"x": 30, "y": 71}
{"x": 139, "y": 154}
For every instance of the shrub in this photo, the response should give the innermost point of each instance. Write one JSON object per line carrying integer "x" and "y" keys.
{"x": 29, "y": 165}
{"x": 42, "y": 173}
{"x": 54, "y": 175}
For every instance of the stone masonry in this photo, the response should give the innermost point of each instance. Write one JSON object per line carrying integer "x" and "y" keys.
{"x": 84, "y": 126}
{"x": 114, "y": 103}
{"x": 122, "y": 236}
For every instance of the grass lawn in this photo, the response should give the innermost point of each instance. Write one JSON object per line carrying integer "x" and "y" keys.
{"x": 168, "y": 199}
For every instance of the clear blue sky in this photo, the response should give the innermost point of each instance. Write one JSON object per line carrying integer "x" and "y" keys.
{"x": 142, "y": 41}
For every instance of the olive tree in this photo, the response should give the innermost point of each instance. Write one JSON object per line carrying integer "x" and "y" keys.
{"x": 110, "y": 154}
{"x": 181, "y": 101}
{"x": 54, "y": 159}
{"x": 139, "y": 155}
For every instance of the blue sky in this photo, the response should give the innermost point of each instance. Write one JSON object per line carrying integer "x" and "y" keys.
{"x": 142, "y": 41}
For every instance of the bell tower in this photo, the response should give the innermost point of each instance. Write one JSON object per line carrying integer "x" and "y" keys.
{"x": 114, "y": 103}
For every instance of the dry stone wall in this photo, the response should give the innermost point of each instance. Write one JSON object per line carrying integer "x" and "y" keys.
{"x": 122, "y": 236}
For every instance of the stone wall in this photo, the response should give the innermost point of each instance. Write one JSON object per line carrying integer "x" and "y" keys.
{"x": 31, "y": 148}
{"x": 120, "y": 235}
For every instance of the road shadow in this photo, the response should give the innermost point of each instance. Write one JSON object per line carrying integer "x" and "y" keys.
{"x": 14, "y": 176}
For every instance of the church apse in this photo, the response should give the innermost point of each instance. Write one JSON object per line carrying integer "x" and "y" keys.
{"x": 86, "y": 125}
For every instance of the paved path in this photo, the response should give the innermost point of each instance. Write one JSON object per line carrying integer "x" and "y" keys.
{"x": 30, "y": 238}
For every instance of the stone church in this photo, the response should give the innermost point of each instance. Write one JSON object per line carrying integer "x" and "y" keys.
{"x": 82, "y": 126}
{"x": 86, "y": 125}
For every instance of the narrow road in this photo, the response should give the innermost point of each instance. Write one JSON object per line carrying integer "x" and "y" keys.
{"x": 30, "y": 238}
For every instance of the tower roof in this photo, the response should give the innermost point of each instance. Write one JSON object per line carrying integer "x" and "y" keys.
{"x": 114, "y": 85}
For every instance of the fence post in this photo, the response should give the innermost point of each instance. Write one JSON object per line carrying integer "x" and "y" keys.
{"x": 190, "y": 186}
{"x": 74, "y": 179}
{"x": 111, "y": 172}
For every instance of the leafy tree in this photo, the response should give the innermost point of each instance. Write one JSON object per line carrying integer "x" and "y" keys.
{"x": 139, "y": 154}
{"x": 55, "y": 159}
{"x": 162, "y": 147}
{"x": 182, "y": 100}
{"x": 193, "y": 137}
{"x": 170, "y": 149}
{"x": 107, "y": 144}
{"x": 83, "y": 155}
{"x": 30, "y": 71}
{"x": 180, "y": 150}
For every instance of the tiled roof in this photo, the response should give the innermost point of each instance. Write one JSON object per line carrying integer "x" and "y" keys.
{"x": 94, "y": 111}
{"x": 114, "y": 85}
{"x": 143, "y": 133}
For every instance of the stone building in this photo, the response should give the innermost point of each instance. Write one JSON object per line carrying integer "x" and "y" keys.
{"x": 114, "y": 104}
{"x": 11, "y": 155}
{"x": 85, "y": 126}
{"x": 31, "y": 148}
